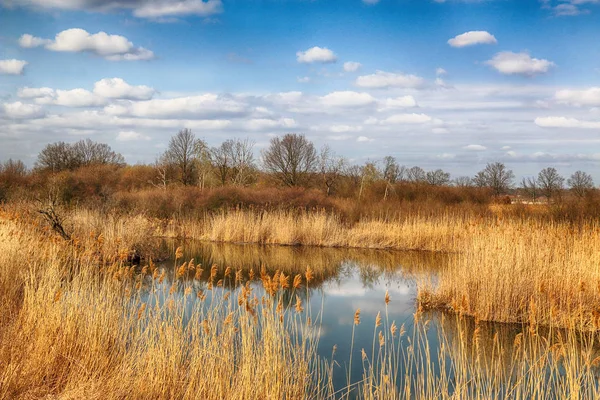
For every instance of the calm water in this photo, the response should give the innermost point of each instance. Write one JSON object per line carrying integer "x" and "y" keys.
{"x": 345, "y": 280}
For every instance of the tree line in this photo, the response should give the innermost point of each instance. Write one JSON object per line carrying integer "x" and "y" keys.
{"x": 292, "y": 161}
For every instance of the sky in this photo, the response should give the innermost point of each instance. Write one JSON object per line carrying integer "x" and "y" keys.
{"x": 450, "y": 84}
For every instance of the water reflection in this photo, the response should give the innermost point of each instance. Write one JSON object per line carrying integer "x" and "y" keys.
{"x": 456, "y": 351}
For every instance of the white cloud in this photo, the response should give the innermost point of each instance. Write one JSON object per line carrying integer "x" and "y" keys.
{"x": 586, "y": 97}
{"x": 111, "y": 47}
{"x": 511, "y": 153}
{"x": 140, "y": 8}
{"x": 440, "y": 131}
{"x": 18, "y": 110}
{"x": 398, "y": 102}
{"x": 78, "y": 98}
{"x": 29, "y": 41}
{"x": 259, "y": 124}
{"x": 565, "y": 122}
{"x": 370, "y": 2}
{"x": 510, "y": 63}
{"x": 364, "y": 139}
{"x": 68, "y": 98}
{"x": 475, "y": 147}
{"x": 411, "y": 118}
{"x": 131, "y": 136}
{"x": 316, "y": 55}
{"x": 440, "y": 71}
{"x": 347, "y": 99}
{"x": 12, "y": 67}
{"x": 117, "y": 88}
{"x": 382, "y": 79}
{"x": 506, "y": 147}
{"x": 303, "y": 79}
{"x": 472, "y": 38}
{"x": 170, "y": 8}
{"x": 352, "y": 66}
{"x": 195, "y": 107}
{"x": 32, "y": 93}
{"x": 568, "y": 10}
{"x": 345, "y": 128}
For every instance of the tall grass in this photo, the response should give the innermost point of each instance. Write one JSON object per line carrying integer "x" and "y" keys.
{"x": 76, "y": 328}
{"x": 524, "y": 272}
{"x": 78, "y": 322}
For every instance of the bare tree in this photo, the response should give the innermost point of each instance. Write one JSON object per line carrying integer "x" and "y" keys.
{"x": 368, "y": 174}
{"x": 416, "y": 175}
{"x": 438, "y": 177}
{"x": 580, "y": 183}
{"x": 463, "y": 181}
{"x": 531, "y": 187}
{"x": 330, "y": 168}
{"x": 62, "y": 156}
{"x": 88, "y": 152}
{"x": 243, "y": 165}
{"x": 162, "y": 175}
{"x": 290, "y": 158}
{"x": 391, "y": 174}
{"x": 550, "y": 182}
{"x": 496, "y": 177}
{"x": 56, "y": 157}
{"x": 222, "y": 159}
{"x": 182, "y": 153}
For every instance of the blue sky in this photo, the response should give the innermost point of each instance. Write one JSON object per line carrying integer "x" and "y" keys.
{"x": 441, "y": 84}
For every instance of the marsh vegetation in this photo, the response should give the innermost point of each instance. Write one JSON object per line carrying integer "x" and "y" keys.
{"x": 213, "y": 280}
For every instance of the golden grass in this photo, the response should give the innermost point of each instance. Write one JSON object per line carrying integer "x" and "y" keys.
{"x": 319, "y": 228}
{"x": 524, "y": 272}
{"x": 76, "y": 322}
{"x": 78, "y": 329}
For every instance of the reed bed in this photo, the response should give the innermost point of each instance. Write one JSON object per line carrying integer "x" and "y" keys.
{"x": 77, "y": 328}
{"x": 79, "y": 322}
{"x": 524, "y": 272}
{"x": 320, "y": 228}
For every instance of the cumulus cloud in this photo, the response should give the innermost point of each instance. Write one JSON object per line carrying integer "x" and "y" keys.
{"x": 472, "y": 38}
{"x": 68, "y": 98}
{"x": 111, "y": 47}
{"x": 475, "y": 147}
{"x": 12, "y": 67}
{"x": 194, "y": 107}
{"x": 585, "y": 97}
{"x": 19, "y": 110}
{"x": 411, "y": 118}
{"x": 140, "y": 8}
{"x": 440, "y": 71}
{"x": 117, "y": 88}
{"x": 259, "y": 124}
{"x": 347, "y": 99}
{"x": 131, "y": 136}
{"x": 398, "y": 102}
{"x": 382, "y": 79}
{"x": 72, "y": 98}
{"x": 316, "y": 55}
{"x": 32, "y": 93}
{"x": 565, "y": 122}
{"x": 303, "y": 79}
{"x": 352, "y": 66}
{"x": 510, "y": 63}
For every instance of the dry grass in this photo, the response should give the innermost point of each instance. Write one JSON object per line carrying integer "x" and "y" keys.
{"x": 76, "y": 322}
{"x": 524, "y": 272}
{"x": 76, "y": 328}
{"x": 468, "y": 359}
{"x": 319, "y": 228}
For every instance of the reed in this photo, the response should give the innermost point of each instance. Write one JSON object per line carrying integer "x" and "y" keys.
{"x": 524, "y": 272}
